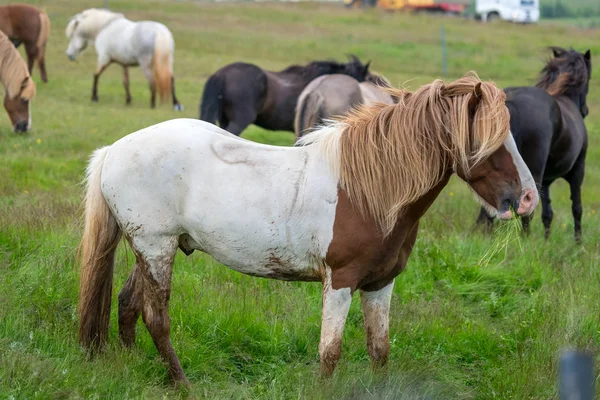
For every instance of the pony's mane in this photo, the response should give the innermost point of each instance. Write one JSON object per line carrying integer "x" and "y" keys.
{"x": 94, "y": 19}
{"x": 567, "y": 71}
{"x": 378, "y": 79}
{"x": 312, "y": 67}
{"x": 13, "y": 71}
{"x": 388, "y": 156}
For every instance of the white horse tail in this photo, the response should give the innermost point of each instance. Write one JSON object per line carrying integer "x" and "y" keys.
{"x": 97, "y": 250}
{"x": 162, "y": 63}
{"x": 43, "y": 36}
{"x": 308, "y": 112}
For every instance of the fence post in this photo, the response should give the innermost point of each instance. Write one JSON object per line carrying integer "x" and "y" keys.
{"x": 576, "y": 376}
{"x": 444, "y": 52}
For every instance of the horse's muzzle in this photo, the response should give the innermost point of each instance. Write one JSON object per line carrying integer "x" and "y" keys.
{"x": 21, "y": 126}
{"x": 528, "y": 202}
{"x": 71, "y": 57}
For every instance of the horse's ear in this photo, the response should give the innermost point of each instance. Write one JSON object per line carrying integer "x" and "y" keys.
{"x": 588, "y": 55}
{"x": 367, "y": 65}
{"x": 475, "y": 100}
{"x": 557, "y": 52}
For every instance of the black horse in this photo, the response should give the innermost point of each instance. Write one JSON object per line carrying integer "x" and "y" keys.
{"x": 241, "y": 94}
{"x": 547, "y": 124}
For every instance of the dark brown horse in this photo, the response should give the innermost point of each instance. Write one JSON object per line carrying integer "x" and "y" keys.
{"x": 28, "y": 25}
{"x": 547, "y": 124}
{"x": 19, "y": 88}
{"x": 241, "y": 94}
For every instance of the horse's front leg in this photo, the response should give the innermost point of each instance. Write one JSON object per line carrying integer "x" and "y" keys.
{"x": 99, "y": 71}
{"x": 336, "y": 303}
{"x": 376, "y": 312}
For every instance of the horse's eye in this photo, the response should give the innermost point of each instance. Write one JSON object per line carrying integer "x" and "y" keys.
{"x": 24, "y": 101}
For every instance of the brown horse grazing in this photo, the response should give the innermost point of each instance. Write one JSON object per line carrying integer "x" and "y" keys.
{"x": 241, "y": 94}
{"x": 25, "y": 24}
{"x": 335, "y": 95}
{"x": 343, "y": 208}
{"x": 19, "y": 88}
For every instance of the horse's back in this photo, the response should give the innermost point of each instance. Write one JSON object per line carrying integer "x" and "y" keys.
{"x": 245, "y": 203}
{"x": 20, "y": 21}
{"x": 372, "y": 94}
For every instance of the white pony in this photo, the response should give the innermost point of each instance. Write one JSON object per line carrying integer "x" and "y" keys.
{"x": 148, "y": 44}
{"x": 342, "y": 209}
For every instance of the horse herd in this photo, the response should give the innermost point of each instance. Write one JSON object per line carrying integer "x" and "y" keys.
{"x": 341, "y": 207}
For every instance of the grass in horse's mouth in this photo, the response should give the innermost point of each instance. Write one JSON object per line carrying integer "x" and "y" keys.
{"x": 507, "y": 233}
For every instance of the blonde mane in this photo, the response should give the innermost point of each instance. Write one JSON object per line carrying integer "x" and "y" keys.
{"x": 389, "y": 156}
{"x": 90, "y": 22}
{"x": 13, "y": 71}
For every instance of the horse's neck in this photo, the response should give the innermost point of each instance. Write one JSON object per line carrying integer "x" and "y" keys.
{"x": 100, "y": 22}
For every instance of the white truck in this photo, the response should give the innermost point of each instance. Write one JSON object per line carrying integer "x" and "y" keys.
{"x": 522, "y": 11}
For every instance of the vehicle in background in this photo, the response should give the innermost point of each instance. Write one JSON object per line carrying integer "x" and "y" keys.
{"x": 522, "y": 11}
{"x": 455, "y": 7}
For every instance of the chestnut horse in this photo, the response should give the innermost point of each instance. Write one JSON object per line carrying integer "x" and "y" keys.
{"x": 19, "y": 88}
{"x": 25, "y": 24}
{"x": 335, "y": 95}
{"x": 343, "y": 208}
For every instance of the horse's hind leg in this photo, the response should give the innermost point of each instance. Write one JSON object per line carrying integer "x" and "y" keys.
{"x": 32, "y": 52}
{"x": 547, "y": 212}
{"x": 156, "y": 255}
{"x": 575, "y": 179}
{"x": 376, "y": 311}
{"x": 176, "y": 105}
{"x": 130, "y": 305}
{"x": 336, "y": 303}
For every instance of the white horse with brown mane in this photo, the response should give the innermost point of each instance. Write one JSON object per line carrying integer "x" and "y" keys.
{"x": 343, "y": 209}
{"x": 19, "y": 87}
{"x": 118, "y": 40}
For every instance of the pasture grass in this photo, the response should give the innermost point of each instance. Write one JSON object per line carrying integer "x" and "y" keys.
{"x": 460, "y": 327}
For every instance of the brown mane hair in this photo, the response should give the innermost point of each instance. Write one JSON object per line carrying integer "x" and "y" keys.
{"x": 389, "y": 156}
{"x": 13, "y": 71}
{"x": 565, "y": 71}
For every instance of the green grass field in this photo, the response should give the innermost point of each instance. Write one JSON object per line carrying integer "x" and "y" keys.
{"x": 460, "y": 328}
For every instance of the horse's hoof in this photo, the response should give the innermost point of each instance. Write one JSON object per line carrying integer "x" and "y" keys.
{"x": 178, "y": 107}
{"x": 95, "y": 99}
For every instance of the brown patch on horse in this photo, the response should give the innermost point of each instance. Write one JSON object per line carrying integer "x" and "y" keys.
{"x": 391, "y": 155}
{"x": 359, "y": 255}
{"x": 485, "y": 178}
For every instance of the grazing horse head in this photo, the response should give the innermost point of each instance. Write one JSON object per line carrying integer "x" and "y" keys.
{"x": 568, "y": 74}
{"x": 84, "y": 27}
{"x": 18, "y": 86}
{"x": 393, "y": 155}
